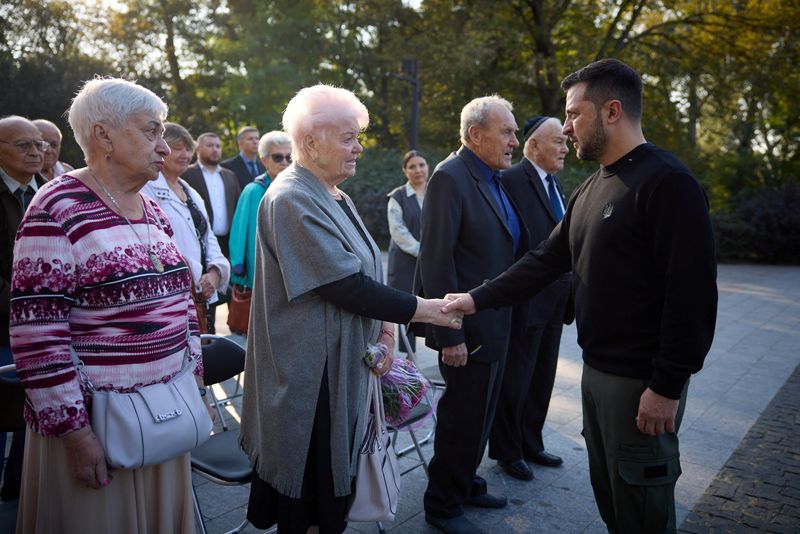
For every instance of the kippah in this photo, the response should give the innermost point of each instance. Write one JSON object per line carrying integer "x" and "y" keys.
{"x": 532, "y": 125}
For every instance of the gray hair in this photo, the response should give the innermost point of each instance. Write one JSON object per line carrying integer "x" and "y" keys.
{"x": 45, "y": 122}
{"x": 110, "y": 101}
{"x": 271, "y": 139}
{"x": 318, "y": 105}
{"x": 476, "y": 111}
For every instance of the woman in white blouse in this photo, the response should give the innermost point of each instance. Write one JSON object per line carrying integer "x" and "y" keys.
{"x": 189, "y": 220}
{"x": 404, "y": 209}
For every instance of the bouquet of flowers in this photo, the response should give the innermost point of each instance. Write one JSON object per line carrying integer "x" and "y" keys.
{"x": 403, "y": 387}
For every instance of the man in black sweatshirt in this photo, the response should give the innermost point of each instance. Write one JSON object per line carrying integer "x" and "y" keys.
{"x": 638, "y": 239}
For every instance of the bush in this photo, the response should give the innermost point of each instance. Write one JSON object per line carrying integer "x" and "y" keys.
{"x": 765, "y": 227}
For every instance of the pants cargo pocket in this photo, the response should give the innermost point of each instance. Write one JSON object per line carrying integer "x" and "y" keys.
{"x": 650, "y": 481}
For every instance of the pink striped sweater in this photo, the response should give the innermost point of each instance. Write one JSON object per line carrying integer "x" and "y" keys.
{"x": 82, "y": 277}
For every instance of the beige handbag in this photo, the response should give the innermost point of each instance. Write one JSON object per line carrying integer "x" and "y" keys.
{"x": 377, "y": 487}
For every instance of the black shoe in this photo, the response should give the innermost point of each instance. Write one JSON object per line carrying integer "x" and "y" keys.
{"x": 544, "y": 458}
{"x": 487, "y": 500}
{"x": 453, "y": 525}
{"x": 517, "y": 469}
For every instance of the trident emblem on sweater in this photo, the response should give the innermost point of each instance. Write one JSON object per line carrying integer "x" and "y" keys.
{"x": 608, "y": 209}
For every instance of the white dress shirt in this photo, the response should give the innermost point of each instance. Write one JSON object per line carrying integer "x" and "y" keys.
{"x": 546, "y": 184}
{"x": 397, "y": 226}
{"x": 216, "y": 195}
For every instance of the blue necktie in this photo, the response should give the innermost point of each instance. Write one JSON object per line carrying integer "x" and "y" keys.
{"x": 253, "y": 168}
{"x": 555, "y": 202}
{"x": 24, "y": 196}
{"x": 511, "y": 215}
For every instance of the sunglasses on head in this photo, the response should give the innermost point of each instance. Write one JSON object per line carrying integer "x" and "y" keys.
{"x": 278, "y": 158}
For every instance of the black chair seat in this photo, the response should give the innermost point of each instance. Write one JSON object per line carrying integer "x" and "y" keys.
{"x": 221, "y": 458}
{"x": 418, "y": 413}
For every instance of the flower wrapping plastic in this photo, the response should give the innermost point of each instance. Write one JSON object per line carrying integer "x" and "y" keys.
{"x": 403, "y": 388}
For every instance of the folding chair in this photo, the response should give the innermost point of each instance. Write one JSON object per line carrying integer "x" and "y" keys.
{"x": 220, "y": 459}
{"x": 217, "y": 347}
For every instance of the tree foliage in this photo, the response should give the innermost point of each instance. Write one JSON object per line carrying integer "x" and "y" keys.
{"x": 720, "y": 78}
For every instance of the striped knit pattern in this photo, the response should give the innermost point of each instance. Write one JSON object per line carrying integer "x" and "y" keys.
{"x": 82, "y": 277}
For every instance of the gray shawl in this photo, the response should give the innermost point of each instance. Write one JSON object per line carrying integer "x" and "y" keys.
{"x": 304, "y": 241}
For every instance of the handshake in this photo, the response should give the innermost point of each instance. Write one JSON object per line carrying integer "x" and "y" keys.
{"x": 448, "y": 311}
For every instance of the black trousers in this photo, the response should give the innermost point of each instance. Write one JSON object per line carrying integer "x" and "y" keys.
{"x": 464, "y": 418}
{"x": 527, "y": 387}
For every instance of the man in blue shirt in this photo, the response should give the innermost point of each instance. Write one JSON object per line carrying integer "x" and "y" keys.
{"x": 246, "y": 164}
{"x": 470, "y": 231}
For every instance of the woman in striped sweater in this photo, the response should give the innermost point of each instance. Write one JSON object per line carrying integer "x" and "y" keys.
{"x": 95, "y": 270}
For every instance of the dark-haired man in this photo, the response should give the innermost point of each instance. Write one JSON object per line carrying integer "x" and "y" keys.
{"x": 638, "y": 239}
{"x": 246, "y": 165}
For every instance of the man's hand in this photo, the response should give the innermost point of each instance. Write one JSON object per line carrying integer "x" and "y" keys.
{"x": 459, "y": 302}
{"x": 430, "y": 311}
{"x": 656, "y": 413}
{"x": 86, "y": 458}
{"x": 455, "y": 356}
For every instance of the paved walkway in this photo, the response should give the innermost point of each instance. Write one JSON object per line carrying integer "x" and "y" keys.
{"x": 755, "y": 350}
{"x": 758, "y": 489}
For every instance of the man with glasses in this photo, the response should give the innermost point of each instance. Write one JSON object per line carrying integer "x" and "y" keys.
{"x": 246, "y": 164}
{"x": 21, "y": 156}
{"x": 52, "y": 136}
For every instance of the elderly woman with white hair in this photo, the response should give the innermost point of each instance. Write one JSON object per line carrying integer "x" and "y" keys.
{"x": 97, "y": 274}
{"x": 317, "y": 268}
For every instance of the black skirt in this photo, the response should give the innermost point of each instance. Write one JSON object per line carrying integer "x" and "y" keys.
{"x": 317, "y": 504}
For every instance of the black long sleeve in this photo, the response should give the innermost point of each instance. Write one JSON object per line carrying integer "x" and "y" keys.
{"x": 362, "y": 295}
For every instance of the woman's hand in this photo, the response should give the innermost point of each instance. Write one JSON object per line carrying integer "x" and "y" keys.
{"x": 209, "y": 283}
{"x": 87, "y": 459}
{"x": 430, "y": 311}
{"x": 387, "y": 338}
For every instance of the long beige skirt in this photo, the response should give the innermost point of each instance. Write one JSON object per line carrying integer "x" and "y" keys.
{"x": 150, "y": 500}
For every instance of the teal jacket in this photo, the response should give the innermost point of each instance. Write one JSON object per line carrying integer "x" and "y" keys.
{"x": 243, "y": 231}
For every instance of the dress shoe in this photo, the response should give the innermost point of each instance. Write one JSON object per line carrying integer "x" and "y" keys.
{"x": 517, "y": 469}
{"x": 453, "y": 525}
{"x": 487, "y": 500}
{"x": 544, "y": 458}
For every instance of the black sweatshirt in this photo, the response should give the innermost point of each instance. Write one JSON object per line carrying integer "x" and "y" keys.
{"x": 638, "y": 239}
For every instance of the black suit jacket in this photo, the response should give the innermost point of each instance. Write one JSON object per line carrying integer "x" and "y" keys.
{"x": 465, "y": 240}
{"x": 10, "y": 217}
{"x": 194, "y": 177}
{"x": 243, "y": 176}
{"x": 523, "y": 184}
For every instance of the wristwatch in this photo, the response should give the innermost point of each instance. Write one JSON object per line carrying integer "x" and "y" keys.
{"x": 202, "y": 391}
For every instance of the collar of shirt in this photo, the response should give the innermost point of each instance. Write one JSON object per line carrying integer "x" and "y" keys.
{"x": 542, "y": 173}
{"x": 247, "y": 160}
{"x": 409, "y": 190}
{"x": 13, "y": 185}
{"x": 484, "y": 168}
{"x": 208, "y": 170}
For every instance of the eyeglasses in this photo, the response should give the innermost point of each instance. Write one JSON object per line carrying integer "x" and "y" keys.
{"x": 26, "y": 146}
{"x": 278, "y": 158}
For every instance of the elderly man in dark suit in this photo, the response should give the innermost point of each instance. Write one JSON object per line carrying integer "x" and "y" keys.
{"x": 470, "y": 232}
{"x": 22, "y": 150}
{"x": 533, "y": 352}
{"x": 246, "y": 164}
{"x": 217, "y": 185}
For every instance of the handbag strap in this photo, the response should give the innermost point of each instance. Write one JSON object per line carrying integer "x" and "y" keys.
{"x": 377, "y": 401}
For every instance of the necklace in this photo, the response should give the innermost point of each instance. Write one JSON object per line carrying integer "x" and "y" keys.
{"x": 154, "y": 261}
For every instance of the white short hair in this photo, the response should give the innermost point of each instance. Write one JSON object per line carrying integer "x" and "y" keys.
{"x": 321, "y": 105}
{"x": 475, "y": 112}
{"x": 271, "y": 139}
{"x": 110, "y": 101}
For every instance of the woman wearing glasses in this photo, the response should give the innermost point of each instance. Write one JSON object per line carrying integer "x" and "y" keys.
{"x": 275, "y": 151}
{"x": 189, "y": 220}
